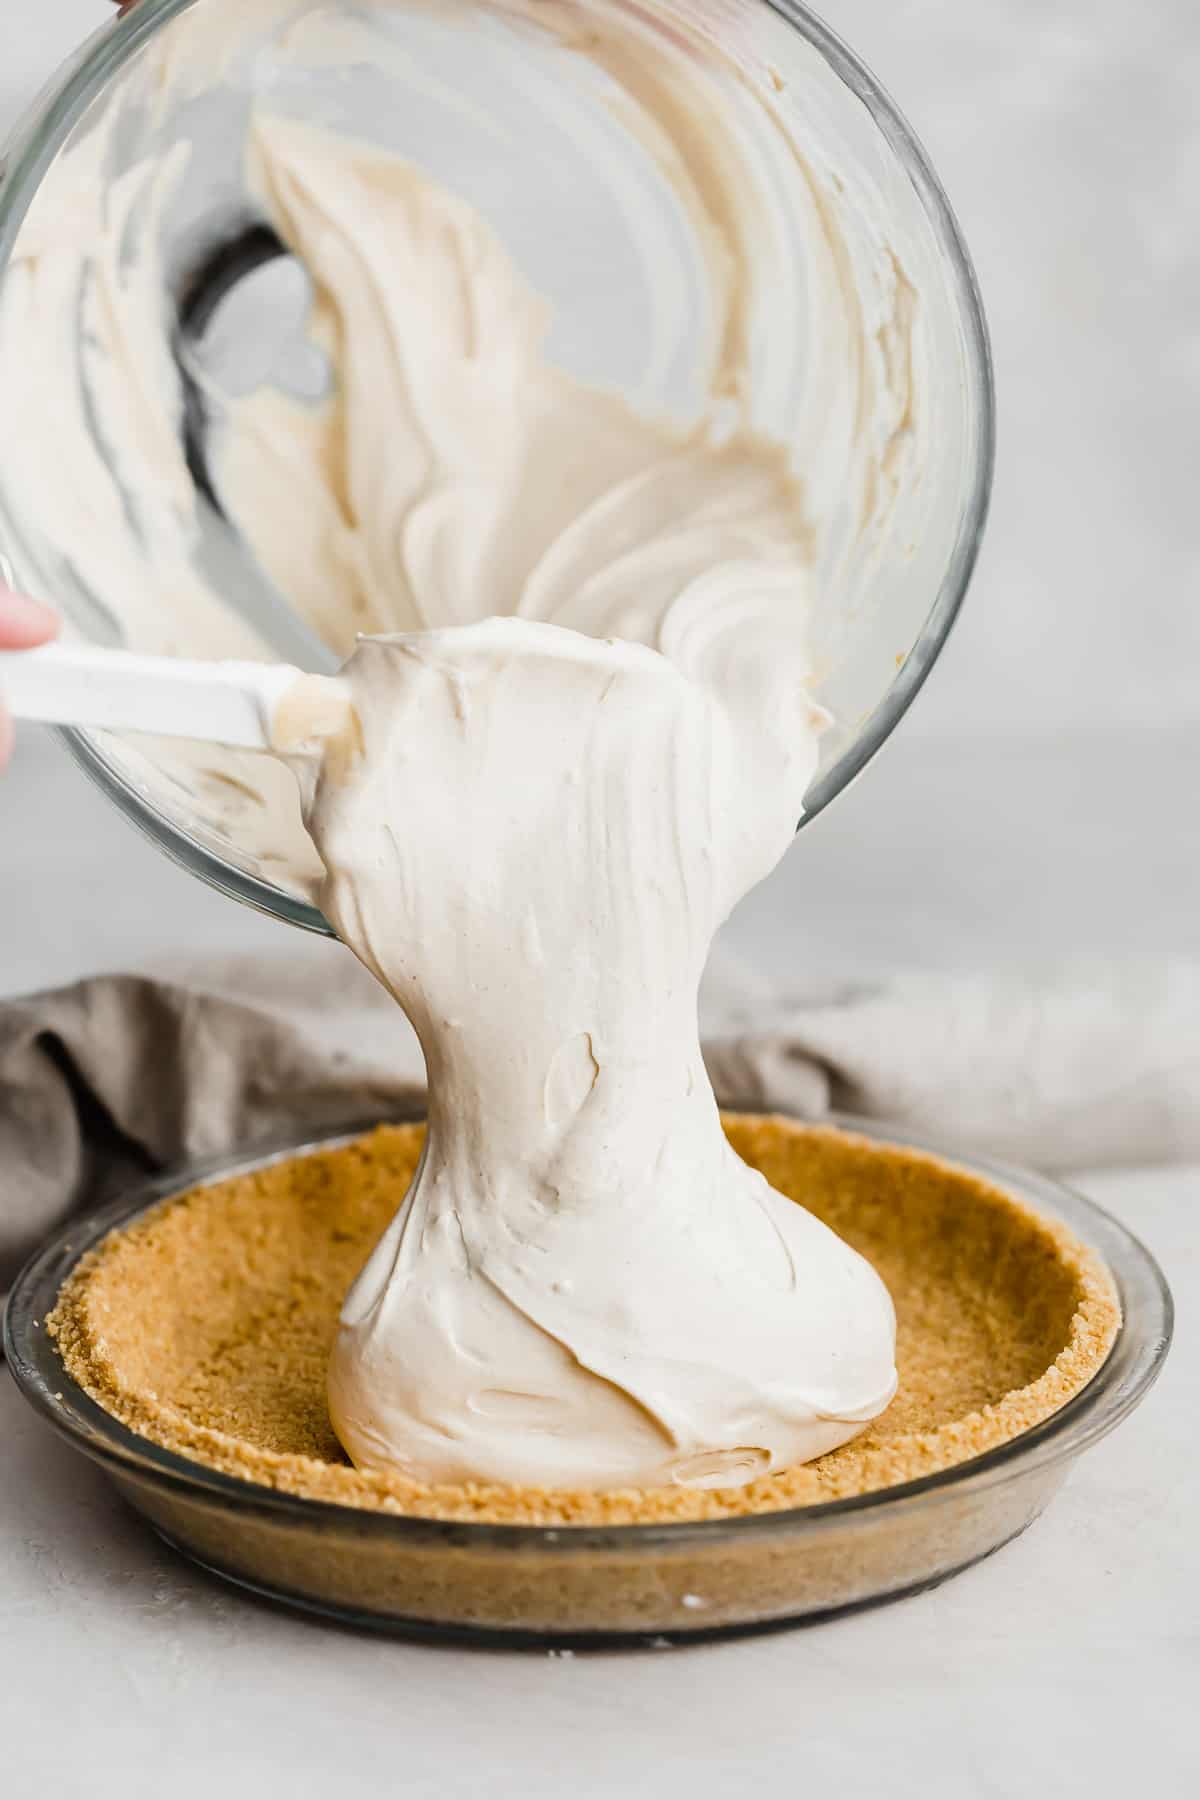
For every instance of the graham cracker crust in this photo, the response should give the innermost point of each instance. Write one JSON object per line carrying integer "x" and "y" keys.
{"x": 206, "y": 1325}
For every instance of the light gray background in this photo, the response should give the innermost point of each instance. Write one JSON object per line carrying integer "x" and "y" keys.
{"x": 1039, "y": 802}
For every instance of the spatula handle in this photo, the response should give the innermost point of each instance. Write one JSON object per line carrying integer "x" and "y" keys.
{"x": 221, "y": 702}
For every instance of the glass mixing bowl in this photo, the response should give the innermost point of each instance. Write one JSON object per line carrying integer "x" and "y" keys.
{"x": 531, "y": 138}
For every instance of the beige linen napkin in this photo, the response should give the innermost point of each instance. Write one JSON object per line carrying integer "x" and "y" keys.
{"x": 122, "y": 1075}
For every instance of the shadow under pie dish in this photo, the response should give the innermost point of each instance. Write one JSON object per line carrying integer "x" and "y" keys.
{"x": 180, "y": 1337}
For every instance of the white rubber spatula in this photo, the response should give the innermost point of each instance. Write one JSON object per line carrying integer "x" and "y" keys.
{"x": 258, "y": 706}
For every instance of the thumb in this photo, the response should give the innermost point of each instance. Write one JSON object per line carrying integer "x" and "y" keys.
{"x": 24, "y": 623}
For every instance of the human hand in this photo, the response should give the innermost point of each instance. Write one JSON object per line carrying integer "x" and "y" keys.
{"x": 23, "y": 623}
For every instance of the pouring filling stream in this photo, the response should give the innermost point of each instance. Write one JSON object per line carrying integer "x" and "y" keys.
{"x": 579, "y": 651}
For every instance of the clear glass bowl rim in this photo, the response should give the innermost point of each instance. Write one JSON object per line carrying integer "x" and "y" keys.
{"x": 1129, "y": 1371}
{"x": 39, "y": 137}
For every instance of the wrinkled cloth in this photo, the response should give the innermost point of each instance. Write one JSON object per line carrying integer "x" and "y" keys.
{"x": 122, "y": 1076}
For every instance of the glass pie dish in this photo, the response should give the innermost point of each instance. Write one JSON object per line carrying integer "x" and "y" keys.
{"x": 584, "y": 1585}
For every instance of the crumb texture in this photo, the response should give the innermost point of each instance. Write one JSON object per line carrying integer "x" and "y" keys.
{"x": 206, "y": 1326}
